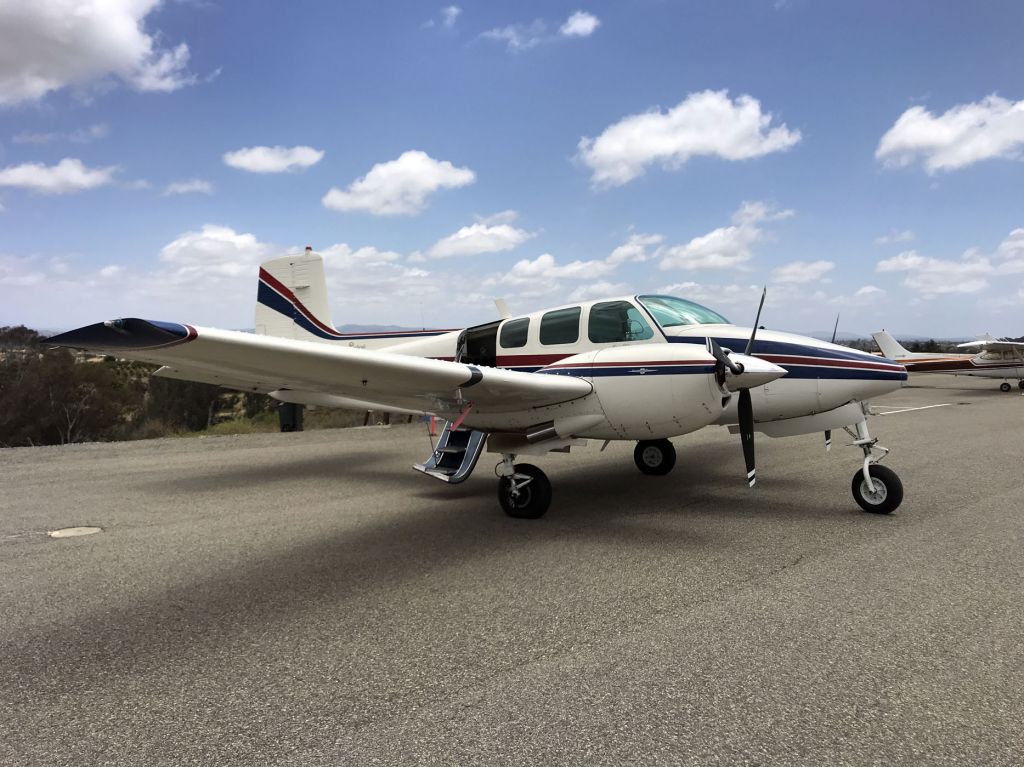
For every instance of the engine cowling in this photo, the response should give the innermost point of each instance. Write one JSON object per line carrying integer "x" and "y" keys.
{"x": 650, "y": 391}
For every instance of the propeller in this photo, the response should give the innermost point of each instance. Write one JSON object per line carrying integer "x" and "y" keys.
{"x": 724, "y": 364}
{"x": 745, "y": 408}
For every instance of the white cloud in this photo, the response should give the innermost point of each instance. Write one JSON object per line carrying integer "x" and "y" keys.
{"x": 895, "y": 236}
{"x": 1010, "y": 253}
{"x": 863, "y": 296}
{"x": 46, "y": 45}
{"x": 545, "y": 269}
{"x": 77, "y": 136}
{"x": 399, "y": 187}
{"x": 728, "y": 247}
{"x": 449, "y": 15}
{"x": 600, "y": 289}
{"x": 66, "y": 177}
{"x": 191, "y": 186}
{"x": 214, "y": 251}
{"x": 580, "y": 24}
{"x": 503, "y": 217}
{"x": 800, "y": 272}
{"x": 963, "y": 135}
{"x": 519, "y": 37}
{"x": 705, "y": 123}
{"x": 635, "y": 248}
{"x": 479, "y": 238}
{"x": 273, "y": 159}
{"x": 934, "y": 276}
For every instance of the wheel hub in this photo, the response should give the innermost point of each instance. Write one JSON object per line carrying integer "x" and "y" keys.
{"x": 876, "y": 496}
{"x": 652, "y": 457}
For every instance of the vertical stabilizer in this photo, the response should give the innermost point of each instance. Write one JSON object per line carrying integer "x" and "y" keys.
{"x": 890, "y": 347}
{"x": 292, "y": 298}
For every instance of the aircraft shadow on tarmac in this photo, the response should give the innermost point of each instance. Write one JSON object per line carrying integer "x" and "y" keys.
{"x": 598, "y": 506}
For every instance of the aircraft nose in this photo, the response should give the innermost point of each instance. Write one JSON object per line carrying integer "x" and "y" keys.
{"x": 756, "y": 372}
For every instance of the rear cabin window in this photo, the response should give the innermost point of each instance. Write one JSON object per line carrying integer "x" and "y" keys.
{"x": 616, "y": 321}
{"x": 561, "y": 326}
{"x": 514, "y": 332}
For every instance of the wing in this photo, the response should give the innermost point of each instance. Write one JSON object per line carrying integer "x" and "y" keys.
{"x": 266, "y": 363}
{"x": 991, "y": 344}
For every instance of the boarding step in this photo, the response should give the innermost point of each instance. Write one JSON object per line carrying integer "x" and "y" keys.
{"x": 455, "y": 454}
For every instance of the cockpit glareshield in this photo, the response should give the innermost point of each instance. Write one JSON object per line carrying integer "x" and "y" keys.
{"x": 670, "y": 311}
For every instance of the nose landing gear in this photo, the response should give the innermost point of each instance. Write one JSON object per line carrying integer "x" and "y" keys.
{"x": 877, "y": 489}
{"x": 524, "y": 491}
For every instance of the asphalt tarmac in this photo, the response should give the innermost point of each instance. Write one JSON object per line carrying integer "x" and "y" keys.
{"x": 307, "y": 599}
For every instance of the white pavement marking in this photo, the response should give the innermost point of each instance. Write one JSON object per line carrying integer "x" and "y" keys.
{"x": 71, "y": 532}
{"x": 909, "y": 409}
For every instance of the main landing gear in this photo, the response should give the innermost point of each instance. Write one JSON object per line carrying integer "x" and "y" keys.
{"x": 1005, "y": 386}
{"x": 524, "y": 491}
{"x": 877, "y": 489}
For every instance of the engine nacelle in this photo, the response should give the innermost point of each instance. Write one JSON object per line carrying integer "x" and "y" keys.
{"x": 650, "y": 391}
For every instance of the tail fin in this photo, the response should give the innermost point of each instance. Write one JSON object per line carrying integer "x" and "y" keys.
{"x": 890, "y": 347}
{"x": 292, "y": 298}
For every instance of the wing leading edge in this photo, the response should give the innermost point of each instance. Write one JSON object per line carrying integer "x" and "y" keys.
{"x": 266, "y": 363}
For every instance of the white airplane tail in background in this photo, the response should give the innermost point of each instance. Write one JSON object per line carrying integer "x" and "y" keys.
{"x": 292, "y": 299}
{"x": 890, "y": 347}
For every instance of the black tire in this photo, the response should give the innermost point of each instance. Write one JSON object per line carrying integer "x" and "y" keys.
{"x": 1004, "y": 386}
{"x": 1020, "y": 384}
{"x": 534, "y": 497}
{"x": 654, "y": 456}
{"x": 888, "y": 493}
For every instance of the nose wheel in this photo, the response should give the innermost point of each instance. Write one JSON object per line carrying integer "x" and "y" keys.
{"x": 876, "y": 488}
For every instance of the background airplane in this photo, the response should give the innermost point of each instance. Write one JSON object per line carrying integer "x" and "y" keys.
{"x": 995, "y": 359}
{"x": 641, "y": 368}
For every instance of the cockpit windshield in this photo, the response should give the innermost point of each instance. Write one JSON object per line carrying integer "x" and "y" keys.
{"x": 670, "y": 312}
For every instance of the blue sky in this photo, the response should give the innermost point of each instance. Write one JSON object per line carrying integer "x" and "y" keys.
{"x": 862, "y": 158}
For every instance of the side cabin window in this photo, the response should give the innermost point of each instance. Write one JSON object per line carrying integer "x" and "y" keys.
{"x": 561, "y": 326}
{"x": 616, "y": 321}
{"x": 514, "y": 333}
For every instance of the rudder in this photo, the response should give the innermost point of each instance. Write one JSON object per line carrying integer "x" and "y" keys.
{"x": 292, "y": 298}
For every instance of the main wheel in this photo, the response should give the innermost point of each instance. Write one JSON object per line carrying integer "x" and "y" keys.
{"x": 1004, "y": 386}
{"x": 888, "y": 492}
{"x": 654, "y": 456}
{"x": 534, "y": 494}
{"x": 1020, "y": 384}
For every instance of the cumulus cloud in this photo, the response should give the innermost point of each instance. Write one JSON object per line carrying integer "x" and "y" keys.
{"x": 273, "y": 159}
{"x": 478, "y": 238}
{"x": 705, "y": 123}
{"x": 579, "y": 24}
{"x": 545, "y": 269}
{"x": 399, "y": 187}
{"x": 635, "y": 248}
{"x": 801, "y": 272}
{"x": 1010, "y": 253}
{"x": 214, "y": 251}
{"x": 446, "y": 19}
{"x": 895, "y": 236}
{"x": 961, "y": 136}
{"x": 935, "y": 276}
{"x": 66, "y": 177}
{"x": 727, "y": 247}
{"x": 600, "y": 289}
{"x": 46, "y": 45}
{"x": 191, "y": 186}
{"x": 519, "y": 37}
{"x": 522, "y": 37}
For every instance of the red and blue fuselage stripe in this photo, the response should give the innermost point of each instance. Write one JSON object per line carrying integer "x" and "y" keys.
{"x": 274, "y": 295}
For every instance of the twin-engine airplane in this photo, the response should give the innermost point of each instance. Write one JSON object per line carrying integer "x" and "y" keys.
{"x": 994, "y": 359}
{"x": 641, "y": 368}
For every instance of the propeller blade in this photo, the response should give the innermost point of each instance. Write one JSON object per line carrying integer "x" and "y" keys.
{"x": 828, "y": 440}
{"x": 836, "y": 328}
{"x": 722, "y": 358}
{"x": 757, "y": 321}
{"x": 746, "y": 415}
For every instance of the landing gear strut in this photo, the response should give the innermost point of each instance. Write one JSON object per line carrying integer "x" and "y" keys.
{"x": 524, "y": 491}
{"x": 654, "y": 456}
{"x": 877, "y": 489}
